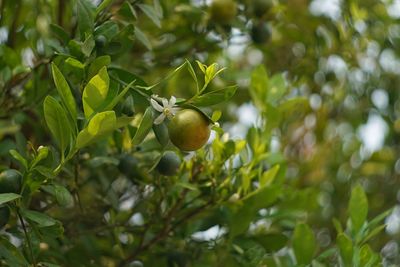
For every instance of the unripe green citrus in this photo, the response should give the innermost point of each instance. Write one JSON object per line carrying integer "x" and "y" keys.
{"x": 189, "y": 130}
{"x": 128, "y": 165}
{"x": 4, "y": 216}
{"x": 260, "y": 33}
{"x": 169, "y": 164}
{"x": 10, "y": 181}
{"x": 223, "y": 11}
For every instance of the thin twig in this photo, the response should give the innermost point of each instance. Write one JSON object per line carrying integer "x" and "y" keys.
{"x": 28, "y": 239}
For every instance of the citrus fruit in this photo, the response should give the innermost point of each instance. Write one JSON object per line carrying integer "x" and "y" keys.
{"x": 169, "y": 164}
{"x": 10, "y": 181}
{"x": 189, "y": 130}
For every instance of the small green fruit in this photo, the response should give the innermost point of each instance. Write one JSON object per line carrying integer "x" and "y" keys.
{"x": 10, "y": 181}
{"x": 169, "y": 164}
{"x": 260, "y": 33}
{"x": 189, "y": 130}
{"x": 128, "y": 165}
{"x": 4, "y": 216}
{"x": 223, "y": 11}
{"x": 100, "y": 41}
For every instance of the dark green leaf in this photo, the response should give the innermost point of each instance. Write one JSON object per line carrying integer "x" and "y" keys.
{"x": 64, "y": 91}
{"x": 11, "y": 254}
{"x": 60, "y": 33}
{"x": 62, "y": 195}
{"x": 161, "y": 133}
{"x": 7, "y": 197}
{"x": 143, "y": 38}
{"x": 97, "y": 65}
{"x": 19, "y": 158}
{"x": 272, "y": 241}
{"x": 41, "y": 219}
{"x": 151, "y": 13}
{"x": 108, "y": 29}
{"x": 57, "y": 121}
{"x": 214, "y": 97}
{"x": 144, "y": 127}
{"x": 85, "y": 17}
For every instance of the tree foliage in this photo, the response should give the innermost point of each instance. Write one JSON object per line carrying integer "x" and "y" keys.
{"x": 302, "y": 166}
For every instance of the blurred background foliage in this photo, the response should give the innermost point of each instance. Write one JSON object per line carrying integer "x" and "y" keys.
{"x": 317, "y": 103}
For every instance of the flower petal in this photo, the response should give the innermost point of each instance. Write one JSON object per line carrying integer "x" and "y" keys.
{"x": 175, "y": 110}
{"x": 172, "y": 101}
{"x": 159, "y": 119}
{"x": 156, "y": 106}
{"x": 164, "y": 102}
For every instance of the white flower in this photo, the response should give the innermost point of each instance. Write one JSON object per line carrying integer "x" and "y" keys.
{"x": 167, "y": 109}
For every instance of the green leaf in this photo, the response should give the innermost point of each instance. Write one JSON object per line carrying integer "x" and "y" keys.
{"x": 267, "y": 178}
{"x": 57, "y": 121}
{"x": 272, "y": 241}
{"x": 202, "y": 66}
{"x": 161, "y": 133}
{"x": 119, "y": 97}
{"x": 62, "y": 195}
{"x": 293, "y": 108}
{"x": 358, "y": 208}
{"x": 277, "y": 88}
{"x": 250, "y": 205}
{"x": 367, "y": 257}
{"x": 338, "y": 225}
{"x": 374, "y": 232}
{"x": 211, "y": 72}
{"x": 151, "y": 13}
{"x": 64, "y": 91}
{"x": 41, "y": 219}
{"x": 12, "y": 255}
{"x": 143, "y": 38}
{"x": 98, "y": 64}
{"x": 7, "y": 197}
{"x": 346, "y": 248}
{"x": 95, "y": 92}
{"x": 123, "y": 121}
{"x": 102, "y": 6}
{"x": 88, "y": 45}
{"x": 16, "y": 155}
{"x": 60, "y": 33}
{"x": 214, "y": 97}
{"x": 108, "y": 29}
{"x": 304, "y": 244}
{"x": 193, "y": 74}
{"x": 258, "y": 86}
{"x": 144, "y": 127}
{"x": 85, "y": 17}
{"x": 216, "y": 115}
{"x": 43, "y": 152}
{"x": 74, "y": 63}
{"x": 100, "y": 125}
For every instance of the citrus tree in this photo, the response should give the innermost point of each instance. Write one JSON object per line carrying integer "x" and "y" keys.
{"x": 198, "y": 133}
